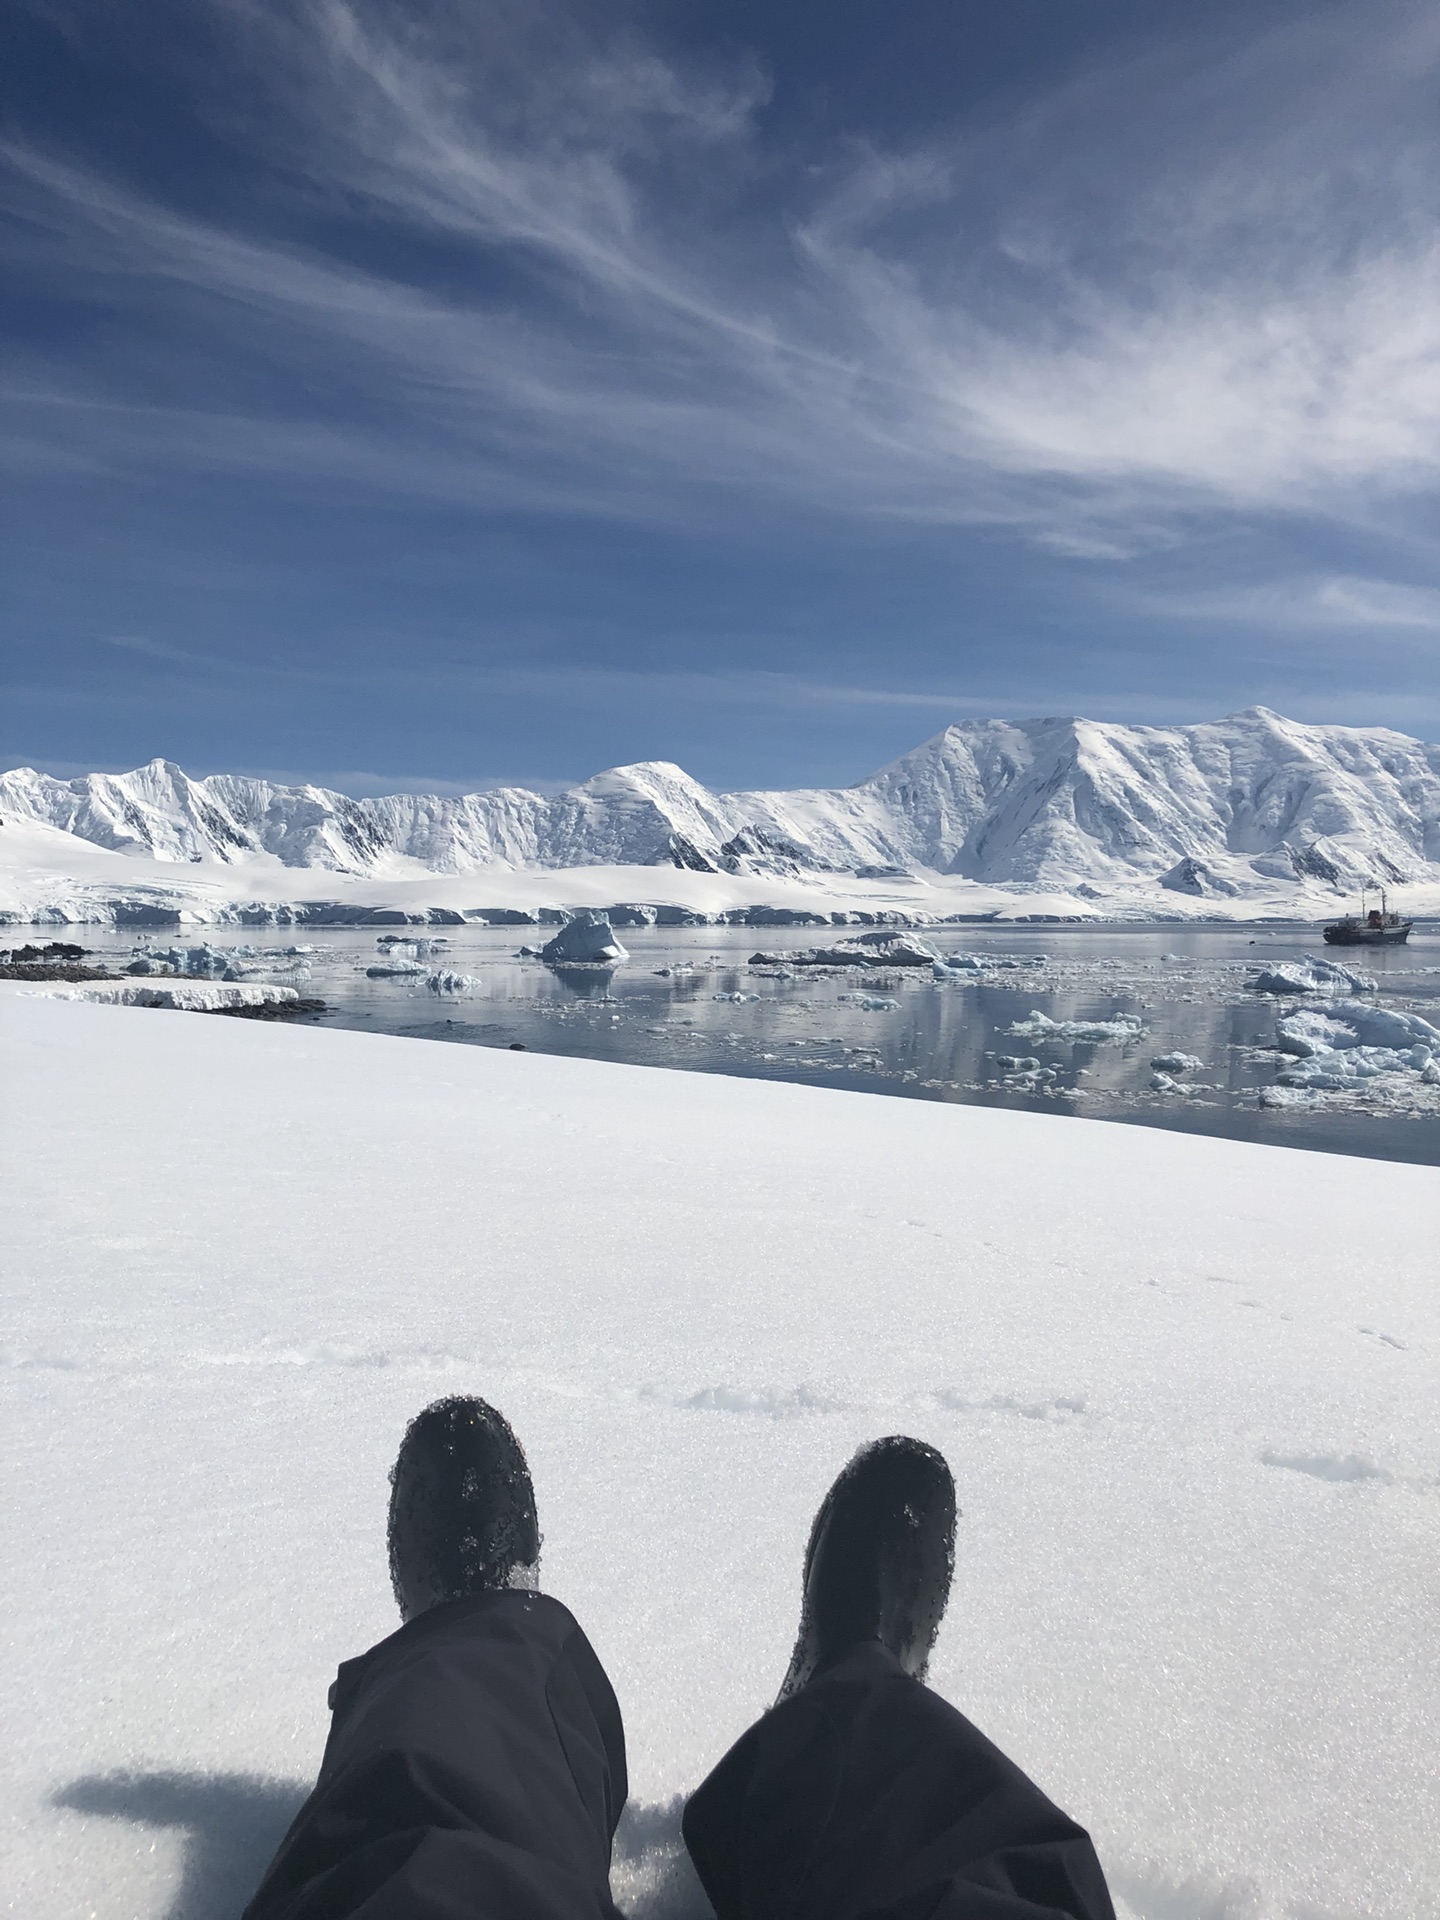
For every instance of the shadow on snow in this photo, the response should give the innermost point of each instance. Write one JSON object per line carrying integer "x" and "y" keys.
{"x": 233, "y": 1822}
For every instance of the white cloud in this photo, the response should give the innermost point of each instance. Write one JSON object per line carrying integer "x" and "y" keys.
{"x": 1341, "y": 601}
{"x": 1378, "y": 603}
{"x": 1209, "y": 283}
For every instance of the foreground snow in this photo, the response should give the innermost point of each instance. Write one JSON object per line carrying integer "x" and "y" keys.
{"x": 1187, "y": 1387}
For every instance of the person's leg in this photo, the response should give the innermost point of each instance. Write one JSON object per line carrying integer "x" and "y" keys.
{"x": 476, "y": 1760}
{"x": 862, "y": 1795}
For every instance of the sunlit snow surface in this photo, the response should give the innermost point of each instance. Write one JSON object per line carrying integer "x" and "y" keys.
{"x": 1188, "y": 1388}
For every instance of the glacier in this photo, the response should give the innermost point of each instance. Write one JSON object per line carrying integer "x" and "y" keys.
{"x": 1070, "y": 814}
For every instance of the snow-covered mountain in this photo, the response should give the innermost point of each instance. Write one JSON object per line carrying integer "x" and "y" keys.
{"x": 1075, "y": 805}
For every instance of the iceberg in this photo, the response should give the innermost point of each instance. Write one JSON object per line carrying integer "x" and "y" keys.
{"x": 903, "y": 950}
{"x": 398, "y": 948}
{"x": 199, "y": 962}
{"x": 890, "y": 950}
{"x": 586, "y": 940}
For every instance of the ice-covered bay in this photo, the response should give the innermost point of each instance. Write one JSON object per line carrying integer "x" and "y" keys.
{"x": 1056, "y": 1017}
{"x": 1187, "y": 1387}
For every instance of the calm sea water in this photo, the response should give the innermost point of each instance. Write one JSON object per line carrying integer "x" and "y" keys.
{"x": 688, "y": 998}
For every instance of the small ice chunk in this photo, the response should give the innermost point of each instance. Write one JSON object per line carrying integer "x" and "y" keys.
{"x": 1039, "y": 1026}
{"x": 1167, "y": 1083}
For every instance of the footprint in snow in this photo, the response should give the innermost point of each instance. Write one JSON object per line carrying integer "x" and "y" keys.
{"x": 1335, "y": 1467}
{"x": 1057, "y": 1412}
{"x": 1385, "y": 1339}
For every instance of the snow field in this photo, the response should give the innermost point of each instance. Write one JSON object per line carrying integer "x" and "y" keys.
{"x": 1187, "y": 1387}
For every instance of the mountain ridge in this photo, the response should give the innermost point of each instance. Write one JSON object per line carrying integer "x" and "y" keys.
{"x": 1218, "y": 807}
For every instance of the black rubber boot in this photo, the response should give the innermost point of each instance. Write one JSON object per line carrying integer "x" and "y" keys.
{"x": 880, "y": 1559}
{"x": 462, "y": 1509}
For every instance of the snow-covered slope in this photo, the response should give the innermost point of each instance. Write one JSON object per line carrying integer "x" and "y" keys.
{"x": 1235, "y": 809}
{"x": 1194, "y": 1438}
{"x": 623, "y": 817}
{"x": 1066, "y": 803}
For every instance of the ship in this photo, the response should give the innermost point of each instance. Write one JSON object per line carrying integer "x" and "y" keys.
{"x": 1371, "y": 927}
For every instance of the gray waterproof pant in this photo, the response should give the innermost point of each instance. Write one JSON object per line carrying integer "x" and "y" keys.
{"x": 475, "y": 1770}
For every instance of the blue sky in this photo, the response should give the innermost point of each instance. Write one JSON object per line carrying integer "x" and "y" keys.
{"x": 448, "y": 394}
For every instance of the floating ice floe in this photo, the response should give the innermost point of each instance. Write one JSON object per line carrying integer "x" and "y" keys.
{"x": 736, "y": 999}
{"x": 1177, "y": 1062}
{"x": 1039, "y": 1026}
{"x": 586, "y": 940}
{"x": 399, "y": 970}
{"x": 951, "y": 966}
{"x": 1339, "y": 1049}
{"x": 869, "y": 1002}
{"x": 187, "y": 996}
{"x": 1310, "y": 975}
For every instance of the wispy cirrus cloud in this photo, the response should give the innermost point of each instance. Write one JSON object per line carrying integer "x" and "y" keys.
{"x": 605, "y": 288}
{"x": 1344, "y": 602}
